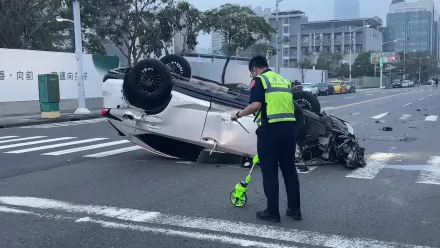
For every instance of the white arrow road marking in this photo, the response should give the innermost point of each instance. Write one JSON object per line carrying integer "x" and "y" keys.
{"x": 431, "y": 118}
{"x": 381, "y": 115}
{"x": 200, "y": 224}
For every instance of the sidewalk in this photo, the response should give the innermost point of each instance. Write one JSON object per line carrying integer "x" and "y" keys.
{"x": 34, "y": 119}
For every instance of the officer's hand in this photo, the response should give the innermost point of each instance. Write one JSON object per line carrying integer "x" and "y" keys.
{"x": 234, "y": 116}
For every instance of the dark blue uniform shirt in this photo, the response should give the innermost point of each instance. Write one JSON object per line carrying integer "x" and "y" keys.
{"x": 257, "y": 90}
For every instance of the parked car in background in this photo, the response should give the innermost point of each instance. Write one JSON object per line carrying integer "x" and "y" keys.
{"x": 407, "y": 83}
{"x": 429, "y": 82}
{"x": 397, "y": 83}
{"x": 339, "y": 87}
{"x": 351, "y": 88}
{"x": 310, "y": 88}
{"x": 331, "y": 90}
{"x": 323, "y": 89}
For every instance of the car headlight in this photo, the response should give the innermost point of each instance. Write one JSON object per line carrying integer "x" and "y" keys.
{"x": 350, "y": 128}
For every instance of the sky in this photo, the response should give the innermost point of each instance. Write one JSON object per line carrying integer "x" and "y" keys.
{"x": 316, "y": 10}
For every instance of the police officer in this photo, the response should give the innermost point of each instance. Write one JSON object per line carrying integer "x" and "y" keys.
{"x": 271, "y": 102}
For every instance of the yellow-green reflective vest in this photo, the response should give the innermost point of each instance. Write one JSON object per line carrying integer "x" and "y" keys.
{"x": 278, "y": 99}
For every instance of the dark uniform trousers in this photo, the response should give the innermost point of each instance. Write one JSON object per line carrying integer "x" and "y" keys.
{"x": 276, "y": 147}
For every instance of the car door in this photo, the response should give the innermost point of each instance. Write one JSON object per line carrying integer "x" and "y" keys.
{"x": 227, "y": 136}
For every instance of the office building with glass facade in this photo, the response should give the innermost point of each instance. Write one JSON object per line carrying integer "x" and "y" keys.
{"x": 414, "y": 25}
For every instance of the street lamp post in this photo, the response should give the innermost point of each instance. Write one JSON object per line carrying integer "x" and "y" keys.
{"x": 351, "y": 42}
{"x": 79, "y": 60}
{"x": 82, "y": 110}
{"x": 277, "y": 68}
{"x": 381, "y": 67}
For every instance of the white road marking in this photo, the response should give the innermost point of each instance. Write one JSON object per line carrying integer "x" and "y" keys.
{"x": 327, "y": 108}
{"x": 421, "y": 99}
{"x": 35, "y": 142}
{"x": 355, "y": 113}
{"x": 199, "y": 224}
{"x": 406, "y": 104}
{"x": 368, "y": 94}
{"x": 430, "y": 95}
{"x": 85, "y": 148}
{"x": 165, "y": 231}
{"x": 381, "y": 115}
{"x": 13, "y": 210}
{"x": 323, "y": 101}
{"x": 432, "y": 174}
{"x": 66, "y": 123}
{"x": 348, "y": 97}
{"x": 21, "y": 139}
{"x": 113, "y": 152}
{"x": 405, "y": 116}
{"x": 431, "y": 118}
{"x": 375, "y": 164}
{"x": 55, "y": 145}
{"x": 8, "y": 137}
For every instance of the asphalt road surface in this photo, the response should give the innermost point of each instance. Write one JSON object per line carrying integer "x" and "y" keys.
{"x": 80, "y": 185}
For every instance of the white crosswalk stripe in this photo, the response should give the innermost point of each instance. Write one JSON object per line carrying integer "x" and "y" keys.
{"x": 113, "y": 152}
{"x": 68, "y": 123}
{"x": 34, "y": 142}
{"x": 39, "y": 148}
{"x": 85, "y": 148}
{"x": 33, "y": 145}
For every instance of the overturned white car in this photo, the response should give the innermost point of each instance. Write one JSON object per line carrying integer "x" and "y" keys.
{"x": 160, "y": 106}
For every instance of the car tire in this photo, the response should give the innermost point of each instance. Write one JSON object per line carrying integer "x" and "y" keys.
{"x": 148, "y": 85}
{"x": 308, "y": 101}
{"x": 177, "y": 64}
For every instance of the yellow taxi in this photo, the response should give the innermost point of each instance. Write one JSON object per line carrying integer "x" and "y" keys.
{"x": 339, "y": 87}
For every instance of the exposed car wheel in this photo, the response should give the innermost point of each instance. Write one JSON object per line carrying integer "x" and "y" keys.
{"x": 178, "y": 65}
{"x": 307, "y": 100}
{"x": 172, "y": 147}
{"x": 148, "y": 85}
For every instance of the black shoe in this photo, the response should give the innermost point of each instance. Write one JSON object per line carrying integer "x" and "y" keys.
{"x": 296, "y": 214}
{"x": 265, "y": 215}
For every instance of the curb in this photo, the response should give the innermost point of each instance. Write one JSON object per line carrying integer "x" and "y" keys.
{"x": 218, "y": 158}
{"x": 48, "y": 121}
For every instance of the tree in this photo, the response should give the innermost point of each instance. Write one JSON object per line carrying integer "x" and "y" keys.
{"x": 185, "y": 19}
{"x": 263, "y": 49}
{"x": 343, "y": 71}
{"x": 328, "y": 62}
{"x": 428, "y": 65}
{"x": 303, "y": 67}
{"x": 131, "y": 25}
{"x": 239, "y": 26}
{"x": 92, "y": 43}
{"x": 30, "y": 24}
{"x": 362, "y": 65}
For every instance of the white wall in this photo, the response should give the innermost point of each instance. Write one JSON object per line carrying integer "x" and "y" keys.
{"x": 28, "y": 64}
{"x": 236, "y": 73}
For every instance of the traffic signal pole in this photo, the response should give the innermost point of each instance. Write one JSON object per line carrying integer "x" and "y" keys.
{"x": 381, "y": 67}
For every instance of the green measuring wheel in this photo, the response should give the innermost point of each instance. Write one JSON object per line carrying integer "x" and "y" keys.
{"x": 237, "y": 199}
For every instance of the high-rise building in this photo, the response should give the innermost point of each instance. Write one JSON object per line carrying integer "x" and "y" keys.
{"x": 346, "y": 9}
{"x": 217, "y": 40}
{"x": 414, "y": 25}
{"x": 289, "y": 29}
